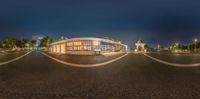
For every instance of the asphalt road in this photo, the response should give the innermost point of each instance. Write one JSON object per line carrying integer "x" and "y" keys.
{"x": 177, "y": 58}
{"x": 84, "y": 59}
{"x": 134, "y": 76}
{"x": 8, "y": 56}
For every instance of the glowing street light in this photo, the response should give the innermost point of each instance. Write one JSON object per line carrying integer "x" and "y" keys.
{"x": 195, "y": 42}
{"x": 177, "y": 44}
{"x": 158, "y": 46}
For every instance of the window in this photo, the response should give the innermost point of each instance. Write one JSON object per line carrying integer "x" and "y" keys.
{"x": 69, "y": 48}
{"x": 54, "y": 48}
{"x": 96, "y": 47}
{"x": 69, "y": 44}
{"x": 79, "y": 48}
{"x": 75, "y": 48}
{"x": 84, "y": 47}
{"x": 77, "y": 43}
{"x": 57, "y": 48}
{"x": 87, "y": 48}
{"x": 62, "y": 48}
{"x": 87, "y": 42}
{"x": 96, "y": 43}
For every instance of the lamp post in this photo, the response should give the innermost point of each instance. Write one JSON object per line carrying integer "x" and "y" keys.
{"x": 158, "y": 47}
{"x": 177, "y": 45}
{"x": 195, "y": 43}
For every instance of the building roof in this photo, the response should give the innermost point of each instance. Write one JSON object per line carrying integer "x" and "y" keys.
{"x": 140, "y": 41}
{"x": 88, "y": 38}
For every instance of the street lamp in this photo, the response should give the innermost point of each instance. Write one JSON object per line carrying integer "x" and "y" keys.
{"x": 177, "y": 44}
{"x": 195, "y": 43}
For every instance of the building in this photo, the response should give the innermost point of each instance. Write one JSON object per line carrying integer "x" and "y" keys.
{"x": 87, "y": 46}
{"x": 140, "y": 46}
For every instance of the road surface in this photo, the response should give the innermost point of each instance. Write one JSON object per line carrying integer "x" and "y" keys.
{"x": 135, "y": 76}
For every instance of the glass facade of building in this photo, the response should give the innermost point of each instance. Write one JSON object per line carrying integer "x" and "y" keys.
{"x": 79, "y": 45}
{"x": 86, "y": 47}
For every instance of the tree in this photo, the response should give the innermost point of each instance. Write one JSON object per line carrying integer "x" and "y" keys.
{"x": 10, "y": 43}
{"x": 1, "y": 44}
{"x": 194, "y": 46}
{"x": 33, "y": 43}
{"x": 46, "y": 41}
{"x": 22, "y": 43}
{"x": 146, "y": 46}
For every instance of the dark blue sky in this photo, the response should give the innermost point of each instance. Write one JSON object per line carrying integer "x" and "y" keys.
{"x": 155, "y": 21}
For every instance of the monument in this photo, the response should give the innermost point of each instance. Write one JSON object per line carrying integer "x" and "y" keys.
{"x": 140, "y": 46}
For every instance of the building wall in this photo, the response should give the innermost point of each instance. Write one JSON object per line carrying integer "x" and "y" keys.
{"x": 63, "y": 48}
{"x": 85, "y": 47}
{"x": 81, "y": 52}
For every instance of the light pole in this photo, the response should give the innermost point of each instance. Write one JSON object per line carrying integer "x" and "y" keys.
{"x": 158, "y": 47}
{"x": 195, "y": 43}
{"x": 177, "y": 45}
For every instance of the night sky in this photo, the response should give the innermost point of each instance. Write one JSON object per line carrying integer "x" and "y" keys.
{"x": 155, "y": 21}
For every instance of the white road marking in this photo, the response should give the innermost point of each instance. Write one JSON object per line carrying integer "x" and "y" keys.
{"x": 15, "y": 59}
{"x": 172, "y": 64}
{"x": 83, "y": 65}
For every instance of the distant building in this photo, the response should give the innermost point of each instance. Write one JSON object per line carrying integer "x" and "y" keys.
{"x": 140, "y": 46}
{"x": 87, "y": 46}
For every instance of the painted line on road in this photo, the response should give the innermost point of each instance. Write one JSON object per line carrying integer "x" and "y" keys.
{"x": 172, "y": 64}
{"x": 15, "y": 59}
{"x": 83, "y": 65}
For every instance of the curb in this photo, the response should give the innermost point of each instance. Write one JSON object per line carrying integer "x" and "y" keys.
{"x": 172, "y": 64}
{"x": 15, "y": 59}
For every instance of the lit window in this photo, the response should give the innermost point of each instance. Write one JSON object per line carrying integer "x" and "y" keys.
{"x": 69, "y": 48}
{"x": 84, "y": 47}
{"x": 75, "y": 48}
{"x": 96, "y": 43}
{"x": 58, "y": 48}
{"x": 63, "y": 48}
{"x": 54, "y": 48}
{"x": 89, "y": 48}
{"x": 69, "y": 44}
{"x": 87, "y": 42}
{"x": 77, "y": 43}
